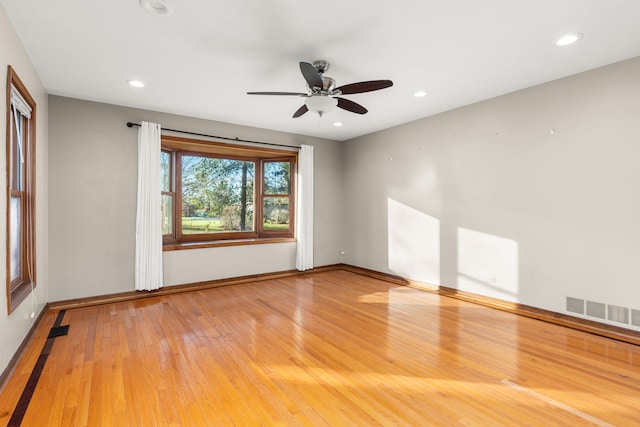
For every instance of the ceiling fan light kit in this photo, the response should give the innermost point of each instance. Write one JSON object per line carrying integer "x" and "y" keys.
{"x": 322, "y": 93}
{"x": 321, "y": 104}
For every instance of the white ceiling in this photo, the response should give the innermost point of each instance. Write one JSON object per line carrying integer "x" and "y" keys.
{"x": 202, "y": 59}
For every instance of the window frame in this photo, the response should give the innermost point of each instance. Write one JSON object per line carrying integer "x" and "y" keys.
{"x": 178, "y": 147}
{"x": 19, "y": 288}
{"x": 169, "y": 238}
{"x": 290, "y": 195}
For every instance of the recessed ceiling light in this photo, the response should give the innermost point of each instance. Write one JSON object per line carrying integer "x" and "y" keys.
{"x": 568, "y": 39}
{"x": 157, "y": 7}
{"x": 420, "y": 94}
{"x": 135, "y": 83}
{"x": 337, "y": 124}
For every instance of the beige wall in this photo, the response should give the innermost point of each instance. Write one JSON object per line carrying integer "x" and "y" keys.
{"x": 528, "y": 197}
{"x": 92, "y": 173}
{"x": 14, "y": 328}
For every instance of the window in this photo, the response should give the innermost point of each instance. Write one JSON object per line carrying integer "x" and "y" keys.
{"x": 214, "y": 192}
{"x": 21, "y": 116}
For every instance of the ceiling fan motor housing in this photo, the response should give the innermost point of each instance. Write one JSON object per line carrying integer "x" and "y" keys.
{"x": 328, "y": 84}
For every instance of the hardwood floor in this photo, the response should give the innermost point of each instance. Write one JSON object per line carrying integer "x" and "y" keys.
{"x": 333, "y": 348}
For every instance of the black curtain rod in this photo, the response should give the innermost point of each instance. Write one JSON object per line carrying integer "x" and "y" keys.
{"x": 130, "y": 125}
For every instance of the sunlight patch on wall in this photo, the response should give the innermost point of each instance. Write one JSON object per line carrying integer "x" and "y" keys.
{"x": 414, "y": 243}
{"x": 487, "y": 264}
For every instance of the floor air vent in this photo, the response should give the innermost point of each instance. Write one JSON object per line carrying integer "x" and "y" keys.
{"x": 618, "y": 314}
{"x": 575, "y": 305}
{"x": 596, "y": 309}
{"x": 614, "y": 313}
{"x": 635, "y": 317}
{"x": 58, "y": 331}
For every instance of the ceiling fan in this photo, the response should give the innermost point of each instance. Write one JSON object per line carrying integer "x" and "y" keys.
{"x": 322, "y": 93}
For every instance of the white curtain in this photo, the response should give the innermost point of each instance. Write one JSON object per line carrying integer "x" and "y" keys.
{"x": 304, "y": 209}
{"x": 148, "y": 269}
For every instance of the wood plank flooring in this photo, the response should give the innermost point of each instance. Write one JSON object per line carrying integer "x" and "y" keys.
{"x": 326, "y": 349}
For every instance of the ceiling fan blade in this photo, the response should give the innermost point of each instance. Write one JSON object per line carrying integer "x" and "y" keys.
{"x": 311, "y": 75}
{"x": 361, "y": 87}
{"x": 349, "y": 105}
{"x": 300, "y": 111}
{"x": 278, "y": 93}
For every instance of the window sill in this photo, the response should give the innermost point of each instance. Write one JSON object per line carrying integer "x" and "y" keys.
{"x": 18, "y": 295}
{"x": 219, "y": 243}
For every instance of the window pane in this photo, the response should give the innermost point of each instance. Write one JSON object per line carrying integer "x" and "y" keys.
{"x": 217, "y": 195}
{"x": 276, "y": 213}
{"x": 165, "y": 171}
{"x": 167, "y": 214}
{"x": 277, "y": 176}
{"x": 14, "y": 238}
{"x": 17, "y": 151}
